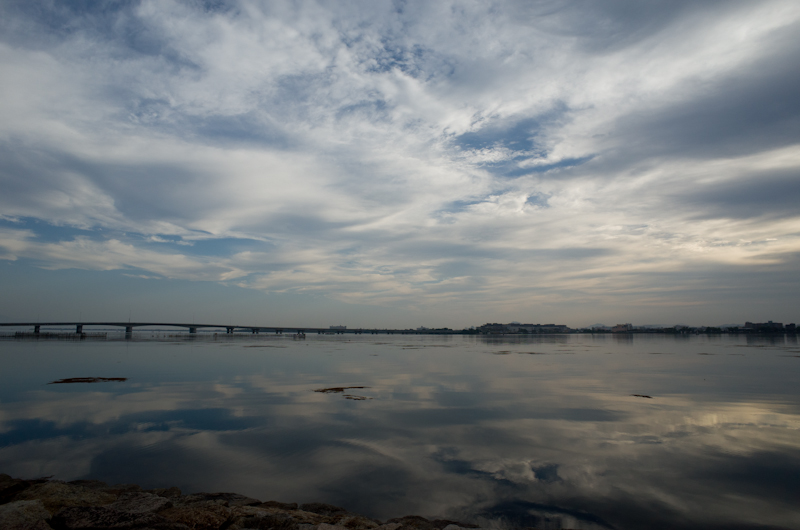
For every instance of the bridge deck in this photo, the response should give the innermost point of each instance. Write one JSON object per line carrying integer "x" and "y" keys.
{"x": 229, "y": 328}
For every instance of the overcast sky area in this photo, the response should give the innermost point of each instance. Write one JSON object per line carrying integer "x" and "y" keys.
{"x": 377, "y": 163}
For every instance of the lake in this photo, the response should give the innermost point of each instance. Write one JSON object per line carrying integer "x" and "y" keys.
{"x": 561, "y": 431}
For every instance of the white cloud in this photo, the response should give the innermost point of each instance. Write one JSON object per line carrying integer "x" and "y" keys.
{"x": 335, "y": 134}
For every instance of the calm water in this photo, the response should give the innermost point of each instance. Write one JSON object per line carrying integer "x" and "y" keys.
{"x": 541, "y": 432}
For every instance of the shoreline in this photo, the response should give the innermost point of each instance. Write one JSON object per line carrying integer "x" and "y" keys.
{"x": 46, "y": 504}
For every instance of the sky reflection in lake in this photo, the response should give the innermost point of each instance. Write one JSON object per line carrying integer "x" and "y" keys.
{"x": 550, "y": 431}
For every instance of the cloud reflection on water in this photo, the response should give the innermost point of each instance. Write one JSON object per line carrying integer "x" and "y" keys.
{"x": 453, "y": 432}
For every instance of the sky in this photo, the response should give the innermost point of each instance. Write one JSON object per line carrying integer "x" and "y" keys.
{"x": 400, "y": 163}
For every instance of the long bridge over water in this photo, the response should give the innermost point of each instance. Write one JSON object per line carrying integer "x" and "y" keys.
{"x": 129, "y": 326}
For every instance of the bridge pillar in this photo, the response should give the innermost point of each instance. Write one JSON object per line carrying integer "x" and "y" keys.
{"x": 36, "y": 329}
{"x": 79, "y": 329}
{"x": 228, "y": 330}
{"x": 192, "y": 330}
{"x": 128, "y": 330}
{"x": 254, "y": 330}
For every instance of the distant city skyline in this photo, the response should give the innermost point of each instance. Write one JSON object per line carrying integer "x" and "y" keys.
{"x": 379, "y": 164}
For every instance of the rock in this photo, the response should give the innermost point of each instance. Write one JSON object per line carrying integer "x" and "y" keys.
{"x": 266, "y": 521}
{"x": 44, "y": 504}
{"x": 116, "y": 489}
{"x": 96, "y": 517}
{"x": 226, "y": 499}
{"x": 413, "y": 522}
{"x": 444, "y": 524}
{"x": 24, "y": 515}
{"x": 169, "y": 493}
{"x": 202, "y": 515}
{"x": 234, "y": 499}
{"x": 11, "y": 487}
{"x": 140, "y": 502}
{"x": 357, "y": 522}
{"x": 326, "y": 526}
{"x": 7, "y": 482}
{"x": 322, "y": 509}
{"x": 56, "y": 495}
{"x": 279, "y": 505}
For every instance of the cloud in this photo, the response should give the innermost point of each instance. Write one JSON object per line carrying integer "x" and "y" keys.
{"x": 416, "y": 154}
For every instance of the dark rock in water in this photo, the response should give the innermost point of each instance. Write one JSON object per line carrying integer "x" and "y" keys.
{"x": 89, "y": 380}
{"x": 337, "y": 389}
{"x": 322, "y": 509}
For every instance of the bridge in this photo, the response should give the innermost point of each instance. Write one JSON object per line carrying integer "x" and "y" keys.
{"x": 79, "y": 326}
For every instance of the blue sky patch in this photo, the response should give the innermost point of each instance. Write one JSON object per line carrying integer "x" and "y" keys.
{"x": 517, "y": 137}
{"x": 224, "y": 246}
{"x": 50, "y": 233}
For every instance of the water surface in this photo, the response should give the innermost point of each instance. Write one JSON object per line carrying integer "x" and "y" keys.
{"x": 571, "y": 431}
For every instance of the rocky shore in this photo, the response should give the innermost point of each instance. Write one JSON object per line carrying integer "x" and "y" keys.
{"x": 44, "y": 504}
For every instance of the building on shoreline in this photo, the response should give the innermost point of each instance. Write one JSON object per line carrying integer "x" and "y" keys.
{"x": 522, "y": 329}
{"x": 764, "y": 327}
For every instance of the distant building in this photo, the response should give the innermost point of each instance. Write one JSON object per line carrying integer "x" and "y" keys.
{"x": 763, "y": 327}
{"x": 516, "y": 327}
{"x": 543, "y": 328}
{"x": 622, "y": 328}
{"x": 493, "y": 329}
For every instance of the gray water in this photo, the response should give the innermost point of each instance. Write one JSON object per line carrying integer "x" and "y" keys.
{"x": 547, "y": 432}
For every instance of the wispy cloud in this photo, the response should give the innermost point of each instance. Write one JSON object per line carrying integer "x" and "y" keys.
{"x": 411, "y": 156}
